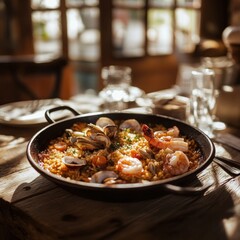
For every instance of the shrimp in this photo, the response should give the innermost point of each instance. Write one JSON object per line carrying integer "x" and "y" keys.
{"x": 165, "y": 141}
{"x": 171, "y": 132}
{"x": 174, "y": 131}
{"x": 176, "y": 163}
{"x": 129, "y": 166}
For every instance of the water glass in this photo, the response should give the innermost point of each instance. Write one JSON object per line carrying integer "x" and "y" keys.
{"x": 115, "y": 94}
{"x": 202, "y": 100}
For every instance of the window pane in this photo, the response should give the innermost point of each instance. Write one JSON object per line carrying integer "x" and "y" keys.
{"x": 187, "y": 29}
{"x": 45, "y": 4}
{"x": 129, "y": 3}
{"x": 161, "y": 3}
{"x": 83, "y": 34}
{"x": 126, "y": 25}
{"x": 190, "y": 3}
{"x": 77, "y": 3}
{"x": 160, "y": 31}
{"x": 46, "y": 32}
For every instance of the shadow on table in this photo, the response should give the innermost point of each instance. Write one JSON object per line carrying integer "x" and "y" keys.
{"x": 167, "y": 216}
{"x": 202, "y": 219}
{"x": 128, "y": 194}
{"x": 10, "y": 159}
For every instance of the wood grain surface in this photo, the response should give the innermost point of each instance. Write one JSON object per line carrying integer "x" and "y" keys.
{"x": 32, "y": 207}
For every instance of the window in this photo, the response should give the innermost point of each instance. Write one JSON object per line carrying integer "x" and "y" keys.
{"x": 80, "y": 33}
{"x": 167, "y": 23}
{"x": 160, "y": 25}
{"x": 138, "y": 28}
{"x": 47, "y": 31}
{"x": 127, "y": 23}
{"x": 70, "y": 28}
{"x": 143, "y": 34}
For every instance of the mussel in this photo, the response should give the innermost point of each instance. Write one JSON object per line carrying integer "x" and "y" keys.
{"x": 73, "y": 161}
{"x": 90, "y": 144}
{"x": 101, "y": 176}
{"x": 131, "y": 124}
{"x": 108, "y": 126}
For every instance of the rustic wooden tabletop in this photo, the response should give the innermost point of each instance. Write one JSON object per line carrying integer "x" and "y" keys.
{"x": 32, "y": 207}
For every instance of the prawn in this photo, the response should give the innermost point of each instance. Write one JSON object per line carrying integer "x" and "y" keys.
{"x": 176, "y": 163}
{"x": 171, "y": 132}
{"x": 129, "y": 166}
{"x": 174, "y": 131}
{"x": 163, "y": 142}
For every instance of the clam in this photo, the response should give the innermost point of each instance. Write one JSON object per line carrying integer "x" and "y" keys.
{"x": 153, "y": 167}
{"x": 104, "y": 121}
{"x": 72, "y": 133}
{"x": 101, "y": 138}
{"x": 107, "y": 125}
{"x": 73, "y": 140}
{"x": 95, "y": 141}
{"x": 69, "y": 131}
{"x": 132, "y": 124}
{"x": 146, "y": 153}
{"x": 110, "y": 130}
{"x": 92, "y": 128}
{"x": 88, "y": 143}
{"x": 94, "y": 136}
{"x": 73, "y": 161}
{"x": 101, "y": 176}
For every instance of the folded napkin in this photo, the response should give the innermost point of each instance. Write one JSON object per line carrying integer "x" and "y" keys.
{"x": 167, "y": 102}
{"x": 173, "y": 107}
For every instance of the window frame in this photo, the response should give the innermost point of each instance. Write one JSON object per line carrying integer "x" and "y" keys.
{"x": 146, "y": 7}
{"x": 63, "y": 8}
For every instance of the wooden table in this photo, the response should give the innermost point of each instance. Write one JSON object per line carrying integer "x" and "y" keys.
{"x": 32, "y": 207}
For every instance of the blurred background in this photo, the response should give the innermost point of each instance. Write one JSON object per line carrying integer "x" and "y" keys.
{"x": 158, "y": 39}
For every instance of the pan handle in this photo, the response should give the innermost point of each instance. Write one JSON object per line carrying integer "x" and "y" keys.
{"x": 55, "y": 109}
{"x": 187, "y": 190}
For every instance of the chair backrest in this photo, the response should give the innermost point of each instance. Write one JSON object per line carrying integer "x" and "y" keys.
{"x": 20, "y": 65}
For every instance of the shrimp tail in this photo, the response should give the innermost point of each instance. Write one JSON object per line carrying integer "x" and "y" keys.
{"x": 147, "y": 131}
{"x": 149, "y": 136}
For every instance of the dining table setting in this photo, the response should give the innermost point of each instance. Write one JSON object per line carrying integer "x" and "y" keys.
{"x": 203, "y": 203}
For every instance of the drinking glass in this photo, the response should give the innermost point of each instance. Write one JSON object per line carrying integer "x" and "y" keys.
{"x": 202, "y": 100}
{"x": 117, "y": 81}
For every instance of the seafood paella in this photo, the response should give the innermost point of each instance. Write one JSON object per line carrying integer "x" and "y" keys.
{"x": 120, "y": 152}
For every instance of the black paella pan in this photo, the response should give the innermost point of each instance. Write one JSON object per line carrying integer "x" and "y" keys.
{"x": 41, "y": 139}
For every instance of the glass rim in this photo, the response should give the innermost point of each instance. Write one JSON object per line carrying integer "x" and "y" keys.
{"x": 117, "y": 67}
{"x": 203, "y": 71}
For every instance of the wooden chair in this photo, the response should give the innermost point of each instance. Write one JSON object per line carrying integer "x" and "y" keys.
{"x": 19, "y": 66}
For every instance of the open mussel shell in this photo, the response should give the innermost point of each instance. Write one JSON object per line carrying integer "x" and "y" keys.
{"x": 107, "y": 125}
{"x": 100, "y": 176}
{"x": 73, "y": 161}
{"x": 104, "y": 121}
{"x": 132, "y": 124}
